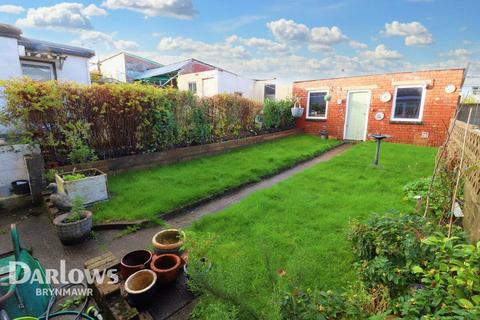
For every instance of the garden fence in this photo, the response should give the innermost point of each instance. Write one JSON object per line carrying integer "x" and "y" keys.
{"x": 471, "y": 173}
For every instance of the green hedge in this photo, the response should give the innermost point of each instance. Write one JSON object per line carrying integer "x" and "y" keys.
{"x": 77, "y": 123}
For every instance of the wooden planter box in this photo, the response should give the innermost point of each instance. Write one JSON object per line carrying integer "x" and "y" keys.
{"x": 91, "y": 189}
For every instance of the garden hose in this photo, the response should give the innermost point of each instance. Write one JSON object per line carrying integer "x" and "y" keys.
{"x": 79, "y": 314}
{"x": 47, "y": 314}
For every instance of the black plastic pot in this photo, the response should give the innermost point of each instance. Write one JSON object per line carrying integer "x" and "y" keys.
{"x": 21, "y": 187}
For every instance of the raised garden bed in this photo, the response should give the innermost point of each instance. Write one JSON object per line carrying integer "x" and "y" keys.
{"x": 90, "y": 185}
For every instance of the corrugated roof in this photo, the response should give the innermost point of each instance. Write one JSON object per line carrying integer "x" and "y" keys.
{"x": 52, "y": 47}
{"x": 163, "y": 70}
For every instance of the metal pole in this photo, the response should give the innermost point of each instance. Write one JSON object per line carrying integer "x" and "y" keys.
{"x": 377, "y": 153}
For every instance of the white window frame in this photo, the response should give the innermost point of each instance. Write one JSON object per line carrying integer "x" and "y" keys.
{"x": 39, "y": 63}
{"x": 307, "y": 116}
{"x": 196, "y": 87}
{"x": 422, "y": 104}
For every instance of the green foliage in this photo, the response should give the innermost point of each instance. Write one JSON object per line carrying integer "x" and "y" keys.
{"x": 394, "y": 236}
{"x": 453, "y": 272}
{"x": 73, "y": 176}
{"x": 277, "y": 114}
{"x": 76, "y": 133}
{"x": 312, "y": 304}
{"x": 76, "y": 123}
{"x": 441, "y": 192}
{"x": 76, "y": 213}
{"x": 50, "y": 175}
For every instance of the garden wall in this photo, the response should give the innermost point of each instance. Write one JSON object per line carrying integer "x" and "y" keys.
{"x": 471, "y": 220}
{"x": 149, "y": 160}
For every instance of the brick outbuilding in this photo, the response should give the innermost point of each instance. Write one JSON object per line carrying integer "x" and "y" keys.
{"x": 412, "y": 107}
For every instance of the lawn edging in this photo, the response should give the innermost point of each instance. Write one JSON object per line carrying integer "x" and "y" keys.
{"x": 150, "y": 160}
{"x": 183, "y": 209}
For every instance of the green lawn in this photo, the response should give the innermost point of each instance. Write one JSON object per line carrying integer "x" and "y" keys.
{"x": 300, "y": 225}
{"x": 146, "y": 193}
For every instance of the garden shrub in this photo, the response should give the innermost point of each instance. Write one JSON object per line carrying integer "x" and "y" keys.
{"x": 76, "y": 123}
{"x": 277, "y": 114}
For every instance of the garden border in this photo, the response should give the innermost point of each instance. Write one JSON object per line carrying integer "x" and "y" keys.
{"x": 149, "y": 160}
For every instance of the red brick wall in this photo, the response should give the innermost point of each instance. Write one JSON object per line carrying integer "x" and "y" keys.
{"x": 439, "y": 106}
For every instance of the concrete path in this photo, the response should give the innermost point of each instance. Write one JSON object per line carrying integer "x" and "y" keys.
{"x": 37, "y": 232}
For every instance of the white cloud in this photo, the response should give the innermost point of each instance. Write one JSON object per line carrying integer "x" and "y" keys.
{"x": 415, "y": 33}
{"x": 259, "y": 43}
{"x": 320, "y": 48}
{"x": 65, "y": 15}
{"x": 91, "y": 38}
{"x": 92, "y": 11}
{"x": 382, "y": 53}
{"x": 182, "y": 9}
{"x": 317, "y": 39}
{"x": 201, "y": 49}
{"x": 12, "y": 9}
{"x": 328, "y": 36}
{"x": 357, "y": 45}
{"x": 289, "y": 30}
{"x": 459, "y": 53}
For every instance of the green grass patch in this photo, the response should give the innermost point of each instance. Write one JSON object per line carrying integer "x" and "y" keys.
{"x": 145, "y": 194}
{"x": 301, "y": 224}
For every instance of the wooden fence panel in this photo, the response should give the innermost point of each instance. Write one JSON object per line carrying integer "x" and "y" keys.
{"x": 471, "y": 173}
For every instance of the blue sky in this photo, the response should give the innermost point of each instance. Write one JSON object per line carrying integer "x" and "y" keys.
{"x": 299, "y": 39}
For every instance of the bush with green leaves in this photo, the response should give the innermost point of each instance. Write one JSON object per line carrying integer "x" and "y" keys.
{"x": 75, "y": 123}
{"x": 277, "y": 114}
{"x": 312, "y": 304}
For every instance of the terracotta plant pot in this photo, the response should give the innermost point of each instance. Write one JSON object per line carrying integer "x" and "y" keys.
{"x": 140, "y": 287}
{"x": 134, "y": 261}
{"x": 168, "y": 241}
{"x": 166, "y": 266}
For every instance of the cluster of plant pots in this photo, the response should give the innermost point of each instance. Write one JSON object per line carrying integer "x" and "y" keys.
{"x": 145, "y": 272}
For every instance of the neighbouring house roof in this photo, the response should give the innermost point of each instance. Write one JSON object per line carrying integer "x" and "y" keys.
{"x": 52, "y": 47}
{"x": 170, "y": 68}
{"x": 132, "y": 55}
{"x": 41, "y": 46}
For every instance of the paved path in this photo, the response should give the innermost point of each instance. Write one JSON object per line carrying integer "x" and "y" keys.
{"x": 37, "y": 232}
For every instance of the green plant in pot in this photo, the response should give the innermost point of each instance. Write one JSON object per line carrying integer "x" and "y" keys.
{"x": 74, "y": 226}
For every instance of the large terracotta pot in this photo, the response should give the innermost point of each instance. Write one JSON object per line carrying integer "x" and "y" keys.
{"x": 141, "y": 287}
{"x": 168, "y": 241}
{"x": 134, "y": 261}
{"x": 166, "y": 266}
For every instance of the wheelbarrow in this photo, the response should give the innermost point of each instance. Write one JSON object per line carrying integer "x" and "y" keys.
{"x": 23, "y": 299}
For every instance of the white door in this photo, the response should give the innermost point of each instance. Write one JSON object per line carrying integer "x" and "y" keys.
{"x": 358, "y": 103}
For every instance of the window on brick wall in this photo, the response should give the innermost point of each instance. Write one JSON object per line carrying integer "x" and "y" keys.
{"x": 408, "y": 103}
{"x": 316, "y": 105}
